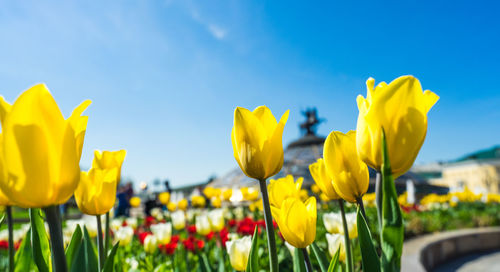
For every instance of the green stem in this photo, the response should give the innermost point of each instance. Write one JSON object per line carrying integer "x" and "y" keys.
{"x": 307, "y": 260}
{"x": 378, "y": 199}
{"x": 106, "y": 237}
{"x": 10, "y": 225}
{"x": 359, "y": 200}
{"x": 56, "y": 238}
{"x": 348, "y": 251}
{"x": 271, "y": 242}
{"x": 100, "y": 248}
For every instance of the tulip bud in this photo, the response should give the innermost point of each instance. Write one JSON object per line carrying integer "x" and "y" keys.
{"x": 257, "y": 142}
{"x": 334, "y": 242}
{"x": 40, "y": 149}
{"x": 182, "y": 204}
{"x": 333, "y": 223}
{"x": 124, "y": 235}
{"x": 162, "y": 232}
{"x": 202, "y": 224}
{"x": 150, "y": 244}
{"x": 239, "y": 251}
{"x": 216, "y": 218}
{"x": 283, "y": 188}
{"x": 226, "y": 194}
{"x": 135, "y": 201}
{"x": 297, "y": 221}
{"x": 164, "y": 197}
{"x": 178, "y": 220}
{"x": 171, "y": 206}
{"x": 400, "y": 109}
{"x": 348, "y": 172}
{"x": 323, "y": 180}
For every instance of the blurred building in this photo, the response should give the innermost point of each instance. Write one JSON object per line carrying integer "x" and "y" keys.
{"x": 478, "y": 171}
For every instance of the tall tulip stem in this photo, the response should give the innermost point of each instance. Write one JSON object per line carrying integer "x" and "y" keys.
{"x": 106, "y": 236}
{"x": 100, "y": 247}
{"x": 56, "y": 238}
{"x": 307, "y": 260}
{"x": 10, "y": 225}
{"x": 378, "y": 198}
{"x": 359, "y": 200}
{"x": 350, "y": 263}
{"x": 271, "y": 241}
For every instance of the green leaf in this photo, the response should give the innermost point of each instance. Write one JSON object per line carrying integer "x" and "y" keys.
{"x": 253, "y": 258}
{"x": 39, "y": 242}
{"x": 23, "y": 258}
{"x": 392, "y": 219}
{"x": 334, "y": 263}
{"x": 2, "y": 219}
{"x": 222, "y": 264}
{"x": 320, "y": 256}
{"x": 108, "y": 265}
{"x": 298, "y": 261}
{"x": 90, "y": 254}
{"x": 368, "y": 253}
{"x": 73, "y": 245}
{"x": 204, "y": 264}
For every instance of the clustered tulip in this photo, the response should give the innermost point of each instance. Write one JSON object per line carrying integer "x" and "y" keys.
{"x": 239, "y": 250}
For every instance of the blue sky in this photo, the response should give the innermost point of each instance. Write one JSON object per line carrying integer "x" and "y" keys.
{"x": 165, "y": 76}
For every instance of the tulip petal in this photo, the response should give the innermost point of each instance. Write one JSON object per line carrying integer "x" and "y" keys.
{"x": 4, "y": 109}
{"x": 267, "y": 119}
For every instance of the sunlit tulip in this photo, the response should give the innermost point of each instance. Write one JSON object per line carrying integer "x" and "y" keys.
{"x": 208, "y": 191}
{"x": 109, "y": 160}
{"x": 171, "y": 206}
{"x": 198, "y": 201}
{"x": 334, "y": 242}
{"x": 96, "y": 192}
{"x": 178, "y": 220}
{"x": 4, "y": 200}
{"x": 150, "y": 244}
{"x": 249, "y": 194}
{"x": 216, "y": 219}
{"x": 124, "y": 235}
{"x": 162, "y": 232}
{"x": 182, "y": 204}
{"x": 348, "y": 172}
{"x": 41, "y": 150}
{"x": 322, "y": 179}
{"x": 202, "y": 224}
{"x": 333, "y": 223}
{"x": 399, "y": 108}
{"x": 164, "y": 197}
{"x": 216, "y": 202}
{"x": 297, "y": 221}
{"x": 257, "y": 141}
{"x": 135, "y": 201}
{"x": 239, "y": 251}
{"x": 226, "y": 194}
{"x": 283, "y": 188}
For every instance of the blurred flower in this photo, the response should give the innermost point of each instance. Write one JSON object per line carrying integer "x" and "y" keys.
{"x": 238, "y": 251}
{"x": 135, "y": 201}
{"x": 297, "y": 221}
{"x": 150, "y": 243}
{"x": 164, "y": 197}
{"x": 304, "y": 195}
{"x": 257, "y": 205}
{"x": 226, "y": 194}
{"x": 349, "y": 174}
{"x": 124, "y": 235}
{"x": 334, "y": 242}
{"x": 333, "y": 223}
{"x": 399, "y": 108}
{"x": 315, "y": 188}
{"x": 115, "y": 224}
{"x": 283, "y": 188}
{"x": 40, "y": 149}
{"x": 162, "y": 232}
{"x": 209, "y": 192}
{"x": 171, "y": 206}
{"x": 131, "y": 221}
{"x": 257, "y": 142}
{"x": 369, "y": 199}
{"x": 178, "y": 220}
{"x": 198, "y": 201}
{"x": 216, "y": 202}
{"x": 323, "y": 180}
{"x": 182, "y": 204}
{"x": 216, "y": 219}
{"x": 202, "y": 224}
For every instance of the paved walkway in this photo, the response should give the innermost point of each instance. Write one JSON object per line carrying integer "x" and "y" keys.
{"x": 484, "y": 262}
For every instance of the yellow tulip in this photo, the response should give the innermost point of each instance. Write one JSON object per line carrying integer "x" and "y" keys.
{"x": 216, "y": 202}
{"x": 164, "y": 197}
{"x": 135, "y": 201}
{"x": 208, "y": 192}
{"x": 348, "y": 172}
{"x": 238, "y": 251}
{"x": 96, "y": 192}
{"x": 283, "y": 188}
{"x": 257, "y": 142}
{"x": 226, "y": 194}
{"x": 108, "y": 160}
{"x": 322, "y": 179}
{"x": 399, "y": 108}
{"x": 198, "y": 201}
{"x": 171, "y": 206}
{"x": 182, "y": 204}
{"x": 297, "y": 221}
{"x": 41, "y": 149}
{"x": 315, "y": 188}
{"x": 4, "y": 200}
{"x": 216, "y": 219}
{"x": 150, "y": 244}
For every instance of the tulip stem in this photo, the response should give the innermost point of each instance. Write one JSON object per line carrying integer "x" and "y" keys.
{"x": 378, "y": 198}
{"x": 100, "y": 248}
{"x": 106, "y": 236}
{"x": 11, "y": 238}
{"x": 359, "y": 200}
{"x": 271, "y": 241}
{"x": 307, "y": 260}
{"x": 350, "y": 263}
{"x": 56, "y": 238}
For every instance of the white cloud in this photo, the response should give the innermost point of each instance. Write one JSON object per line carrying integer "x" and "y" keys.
{"x": 216, "y": 31}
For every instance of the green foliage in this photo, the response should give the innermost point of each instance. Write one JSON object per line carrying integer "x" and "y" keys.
{"x": 39, "y": 241}
{"x": 368, "y": 252}
{"x": 320, "y": 257}
{"x": 253, "y": 258}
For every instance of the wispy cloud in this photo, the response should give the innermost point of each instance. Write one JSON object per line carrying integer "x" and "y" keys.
{"x": 217, "y": 31}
